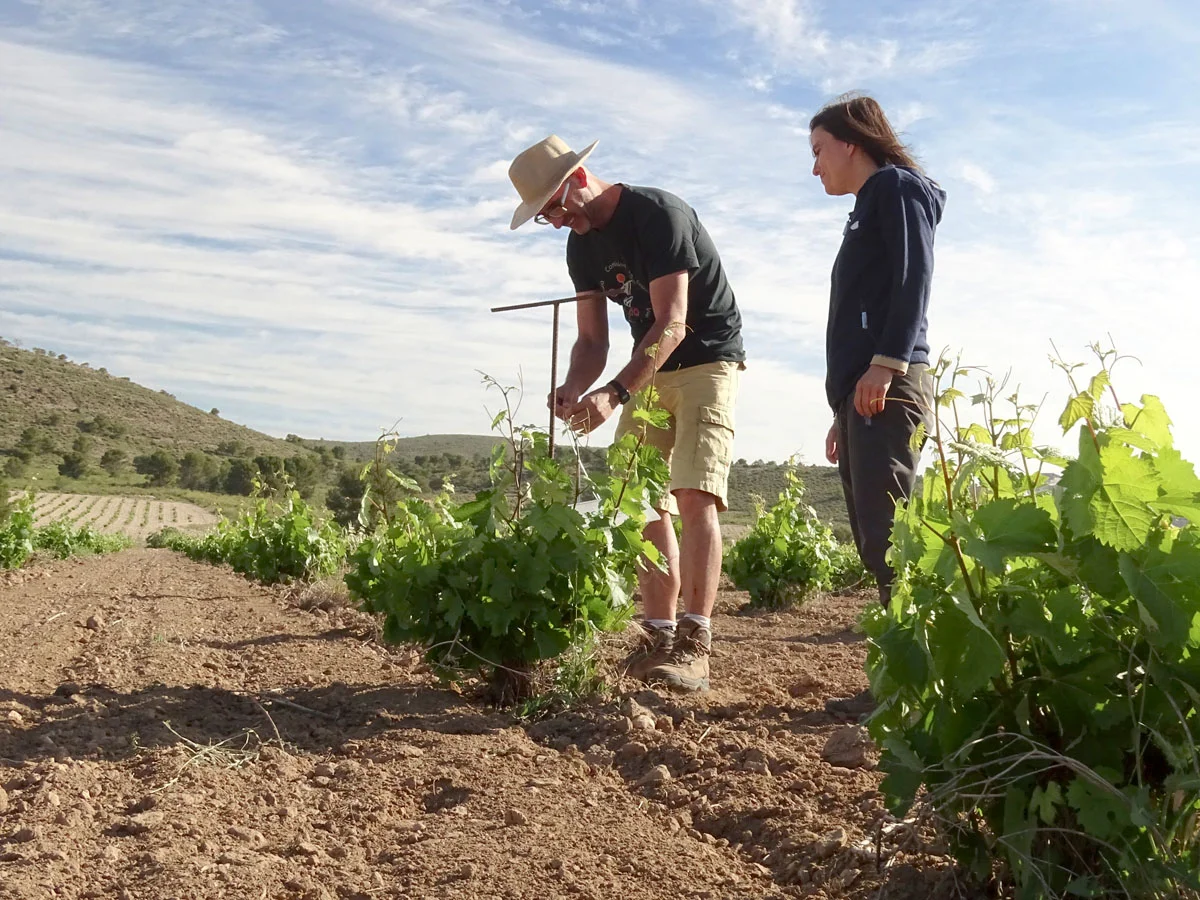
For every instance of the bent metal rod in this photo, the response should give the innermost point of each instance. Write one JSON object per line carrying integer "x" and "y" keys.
{"x": 587, "y": 295}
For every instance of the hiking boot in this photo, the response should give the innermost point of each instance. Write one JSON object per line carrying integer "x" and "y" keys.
{"x": 858, "y": 707}
{"x": 653, "y": 648}
{"x": 687, "y": 665}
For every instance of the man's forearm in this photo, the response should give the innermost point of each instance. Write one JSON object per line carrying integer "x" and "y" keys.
{"x": 648, "y": 358}
{"x": 588, "y": 359}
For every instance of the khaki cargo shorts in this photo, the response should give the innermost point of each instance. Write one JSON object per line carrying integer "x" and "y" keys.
{"x": 698, "y": 442}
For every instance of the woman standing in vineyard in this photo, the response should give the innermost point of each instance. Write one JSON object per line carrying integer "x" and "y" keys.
{"x": 877, "y": 351}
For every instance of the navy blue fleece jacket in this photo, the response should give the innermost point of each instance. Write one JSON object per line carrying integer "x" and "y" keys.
{"x": 879, "y": 296}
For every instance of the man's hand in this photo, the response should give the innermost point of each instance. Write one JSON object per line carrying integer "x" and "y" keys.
{"x": 831, "y": 447}
{"x": 871, "y": 392}
{"x": 563, "y": 398}
{"x": 592, "y": 410}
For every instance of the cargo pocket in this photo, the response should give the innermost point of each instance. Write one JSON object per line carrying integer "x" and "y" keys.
{"x": 714, "y": 447}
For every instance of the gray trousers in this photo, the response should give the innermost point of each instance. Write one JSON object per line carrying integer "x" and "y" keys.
{"x": 879, "y": 468}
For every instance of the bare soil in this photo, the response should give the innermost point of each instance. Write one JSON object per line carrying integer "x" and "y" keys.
{"x": 169, "y": 730}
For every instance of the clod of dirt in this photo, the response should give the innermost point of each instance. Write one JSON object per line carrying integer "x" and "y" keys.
{"x": 633, "y": 709}
{"x": 347, "y": 769}
{"x": 805, "y": 686}
{"x": 754, "y": 760}
{"x": 3, "y": 799}
{"x": 623, "y": 725}
{"x": 15, "y": 717}
{"x": 630, "y": 751}
{"x": 408, "y": 751}
{"x": 832, "y": 843}
{"x": 25, "y": 835}
{"x": 657, "y": 775}
{"x": 308, "y": 849}
{"x": 139, "y": 823}
{"x": 96, "y": 622}
{"x": 11, "y": 856}
{"x": 644, "y": 723}
{"x": 850, "y": 748}
{"x": 251, "y": 836}
{"x": 665, "y": 724}
{"x": 323, "y": 770}
{"x": 143, "y": 805}
{"x": 515, "y": 817}
{"x": 67, "y": 689}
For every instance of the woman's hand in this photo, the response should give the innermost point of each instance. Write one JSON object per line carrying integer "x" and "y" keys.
{"x": 871, "y": 393}
{"x": 831, "y": 447}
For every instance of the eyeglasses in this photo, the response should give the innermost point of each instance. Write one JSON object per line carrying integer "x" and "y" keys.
{"x": 556, "y": 211}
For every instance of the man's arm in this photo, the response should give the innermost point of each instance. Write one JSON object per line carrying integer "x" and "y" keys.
{"x": 669, "y": 299}
{"x": 589, "y": 354}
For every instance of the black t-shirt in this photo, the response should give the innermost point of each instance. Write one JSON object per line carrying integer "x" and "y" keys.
{"x": 651, "y": 234}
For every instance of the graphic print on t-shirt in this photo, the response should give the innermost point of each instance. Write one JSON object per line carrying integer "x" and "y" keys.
{"x": 618, "y": 285}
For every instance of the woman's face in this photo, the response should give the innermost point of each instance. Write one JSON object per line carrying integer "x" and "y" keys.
{"x": 831, "y": 161}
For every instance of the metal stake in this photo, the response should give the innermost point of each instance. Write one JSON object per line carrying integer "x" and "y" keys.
{"x": 553, "y": 341}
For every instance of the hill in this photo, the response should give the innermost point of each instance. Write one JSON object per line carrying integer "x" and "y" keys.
{"x": 64, "y": 399}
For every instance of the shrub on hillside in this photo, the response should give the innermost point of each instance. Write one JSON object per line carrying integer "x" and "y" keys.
{"x": 73, "y": 465}
{"x": 200, "y": 472}
{"x": 37, "y": 441}
{"x": 1038, "y": 670}
{"x": 160, "y": 468}
{"x": 113, "y": 461}
{"x": 344, "y": 497}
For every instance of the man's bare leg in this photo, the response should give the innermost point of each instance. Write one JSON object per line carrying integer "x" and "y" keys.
{"x": 700, "y": 550}
{"x": 660, "y": 590}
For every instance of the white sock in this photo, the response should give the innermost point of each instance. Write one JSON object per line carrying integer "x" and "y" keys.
{"x": 704, "y": 621}
{"x": 662, "y": 624}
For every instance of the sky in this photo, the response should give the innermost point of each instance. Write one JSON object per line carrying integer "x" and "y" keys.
{"x": 297, "y": 211}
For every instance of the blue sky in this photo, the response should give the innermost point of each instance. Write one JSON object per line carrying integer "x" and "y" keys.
{"x": 297, "y": 211}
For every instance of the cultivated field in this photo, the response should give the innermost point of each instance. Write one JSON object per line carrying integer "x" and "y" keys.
{"x": 169, "y": 730}
{"x": 112, "y": 514}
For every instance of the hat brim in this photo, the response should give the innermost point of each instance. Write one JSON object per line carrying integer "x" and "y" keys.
{"x": 571, "y": 162}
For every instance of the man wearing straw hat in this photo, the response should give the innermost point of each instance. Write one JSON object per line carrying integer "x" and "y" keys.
{"x": 646, "y": 250}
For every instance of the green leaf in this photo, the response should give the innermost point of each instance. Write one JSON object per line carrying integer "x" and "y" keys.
{"x": 1167, "y": 588}
{"x": 1078, "y": 407}
{"x": 1100, "y": 382}
{"x": 1120, "y": 508}
{"x": 966, "y": 655}
{"x": 1018, "y": 829}
{"x": 1102, "y": 813}
{"x": 1150, "y": 420}
{"x": 1010, "y": 528}
{"x": 1046, "y": 801}
{"x": 1079, "y": 483}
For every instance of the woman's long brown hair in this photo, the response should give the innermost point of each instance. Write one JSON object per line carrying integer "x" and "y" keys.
{"x": 858, "y": 119}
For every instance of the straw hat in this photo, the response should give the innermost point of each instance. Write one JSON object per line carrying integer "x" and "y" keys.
{"x": 540, "y": 171}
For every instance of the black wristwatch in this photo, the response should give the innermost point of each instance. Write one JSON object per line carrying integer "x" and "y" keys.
{"x": 622, "y": 394}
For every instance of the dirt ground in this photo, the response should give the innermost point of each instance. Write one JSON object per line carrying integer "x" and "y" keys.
{"x": 169, "y": 730}
{"x": 113, "y": 514}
